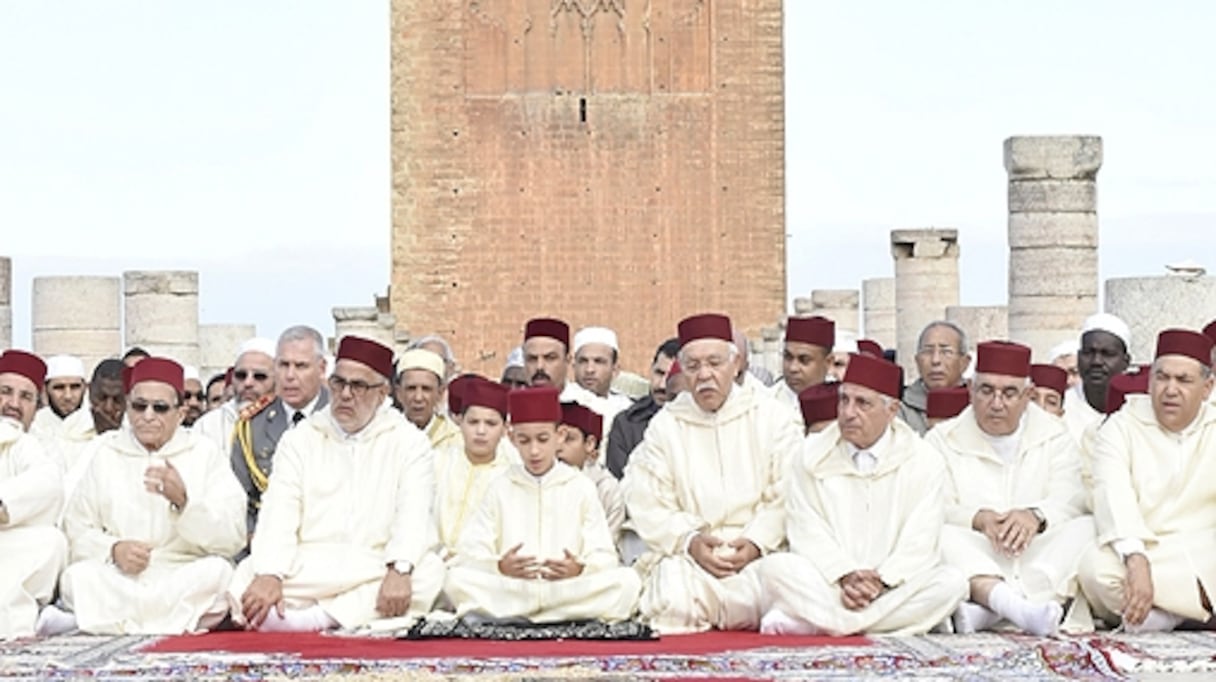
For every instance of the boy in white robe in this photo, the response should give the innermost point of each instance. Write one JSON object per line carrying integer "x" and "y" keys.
{"x": 580, "y": 448}
{"x": 539, "y": 548}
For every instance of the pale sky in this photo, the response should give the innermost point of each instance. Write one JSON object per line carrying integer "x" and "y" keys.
{"x": 250, "y": 141}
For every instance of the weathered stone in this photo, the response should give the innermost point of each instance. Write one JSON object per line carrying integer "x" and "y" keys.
{"x": 1050, "y": 157}
{"x": 78, "y": 316}
{"x": 1151, "y": 304}
{"x": 162, "y": 282}
{"x": 365, "y": 321}
{"x": 926, "y": 283}
{"x": 1035, "y": 230}
{"x": 218, "y": 345}
{"x": 803, "y": 306}
{"x": 1055, "y": 271}
{"x": 6, "y": 281}
{"x": 878, "y": 301}
{"x": 160, "y": 313}
{"x": 1043, "y": 321}
{"x": 6, "y": 327}
{"x": 839, "y": 305}
{"x": 981, "y": 322}
{"x": 1058, "y": 196}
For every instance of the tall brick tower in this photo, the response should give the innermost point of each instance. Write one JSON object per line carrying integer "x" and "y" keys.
{"x": 614, "y": 162}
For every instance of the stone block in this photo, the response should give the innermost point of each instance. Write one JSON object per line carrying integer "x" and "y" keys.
{"x": 822, "y": 299}
{"x": 90, "y": 303}
{"x": 1033, "y": 230}
{"x": 1061, "y": 314}
{"x": 176, "y": 282}
{"x": 924, "y": 243}
{"x": 90, "y": 345}
{"x": 1151, "y": 304}
{"x": 1056, "y": 271}
{"x": 878, "y": 292}
{"x": 1053, "y": 157}
{"x": 1058, "y": 196}
{"x": 981, "y": 322}
{"x": 218, "y": 343}
{"x": 803, "y": 306}
{"x": 6, "y": 327}
{"x": 152, "y": 319}
{"x": 6, "y": 281}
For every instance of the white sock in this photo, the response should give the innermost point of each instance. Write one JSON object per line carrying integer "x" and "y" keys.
{"x": 778, "y": 622}
{"x": 53, "y": 620}
{"x": 1157, "y": 620}
{"x": 311, "y": 619}
{"x": 1041, "y": 620}
{"x": 971, "y": 617}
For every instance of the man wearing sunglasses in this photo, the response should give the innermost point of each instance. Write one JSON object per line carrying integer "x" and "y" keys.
{"x": 253, "y": 379}
{"x": 345, "y": 534}
{"x": 194, "y": 400}
{"x": 152, "y": 522}
{"x": 32, "y": 550}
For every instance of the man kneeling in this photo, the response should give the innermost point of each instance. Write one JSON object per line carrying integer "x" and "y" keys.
{"x": 864, "y": 510}
{"x": 539, "y": 548}
{"x": 345, "y": 536}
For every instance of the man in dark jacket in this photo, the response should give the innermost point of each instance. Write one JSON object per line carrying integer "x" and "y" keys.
{"x": 630, "y": 425}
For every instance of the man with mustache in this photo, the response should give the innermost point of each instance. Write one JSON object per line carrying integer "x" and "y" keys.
{"x": 704, "y": 489}
{"x": 65, "y": 390}
{"x": 546, "y": 352}
{"x": 942, "y": 355}
{"x": 1103, "y": 355}
{"x": 805, "y": 358}
{"x": 253, "y": 383}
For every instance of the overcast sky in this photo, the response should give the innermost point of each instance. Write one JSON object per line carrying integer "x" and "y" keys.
{"x": 250, "y": 141}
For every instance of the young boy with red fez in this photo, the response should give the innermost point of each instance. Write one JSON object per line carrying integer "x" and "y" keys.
{"x": 539, "y": 548}
{"x": 945, "y": 403}
{"x": 1154, "y": 564}
{"x": 1050, "y": 384}
{"x": 864, "y": 511}
{"x": 819, "y": 405}
{"x": 464, "y": 472}
{"x": 578, "y": 446}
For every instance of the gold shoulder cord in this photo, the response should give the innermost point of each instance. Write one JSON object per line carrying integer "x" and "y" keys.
{"x": 244, "y": 437}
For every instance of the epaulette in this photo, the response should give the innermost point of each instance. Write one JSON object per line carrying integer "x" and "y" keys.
{"x": 252, "y": 409}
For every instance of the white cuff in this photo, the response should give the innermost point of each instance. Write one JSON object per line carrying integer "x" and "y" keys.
{"x": 1127, "y": 546}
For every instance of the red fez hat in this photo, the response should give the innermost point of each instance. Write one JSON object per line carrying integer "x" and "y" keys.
{"x": 1049, "y": 376}
{"x": 28, "y": 365}
{"x": 1210, "y": 330}
{"x": 1185, "y": 342}
{"x": 1123, "y": 385}
{"x": 674, "y": 369}
{"x": 163, "y": 370}
{"x": 819, "y": 403}
{"x": 706, "y": 326}
{"x": 874, "y": 373}
{"x": 817, "y": 330}
{"x": 371, "y": 353}
{"x": 550, "y": 327}
{"x": 1002, "y": 357}
{"x": 537, "y": 404}
{"x": 456, "y": 390}
{"x": 947, "y": 403}
{"x": 228, "y": 376}
{"x": 476, "y": 391}
{"x": 869, "y": 347}
{"x": 582, "y": 418}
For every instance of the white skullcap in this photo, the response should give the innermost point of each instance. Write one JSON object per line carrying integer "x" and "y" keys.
{"x": 602, "y": 335}
{"x": 1105, "y": 322}
{"x": 515, "y": 358}
{"x": 1061, "y": 349}
{"x": 846, "y": 342}
{"x": 190, "y": 372}
{"x": 258, "y": 344}
{"x": 64, "y": 366}
{"x": 421, "y": 358}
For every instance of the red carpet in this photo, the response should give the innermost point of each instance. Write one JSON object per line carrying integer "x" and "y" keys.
{"x": 320, "y": 646}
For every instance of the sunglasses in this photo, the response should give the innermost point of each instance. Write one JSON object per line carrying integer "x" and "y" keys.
{"x": 200, "y": 396}
{"x": 141, "y": 406}
{"x": 241, "y": 375}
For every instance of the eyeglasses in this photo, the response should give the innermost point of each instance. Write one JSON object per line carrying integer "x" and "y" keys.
{"x": 946, "y": 352}
{"x": 199, "y": 395}
{"x": 357, "y": 387}
{"x": 141, "y": 406}
{"x": 241, "y": 375}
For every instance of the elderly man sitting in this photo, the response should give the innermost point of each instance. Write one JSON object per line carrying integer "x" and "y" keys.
{"x": 153, "y": 520}
{"x": 346, "y": 534}
{"x": 704, "y": 489}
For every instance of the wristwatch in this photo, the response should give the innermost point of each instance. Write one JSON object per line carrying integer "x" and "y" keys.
{"x": 402, "y": 567}
{"x": 1038, "y": 514}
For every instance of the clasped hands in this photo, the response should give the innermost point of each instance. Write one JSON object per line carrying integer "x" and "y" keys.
{"x": 1010, "y": 533}
{"x": 719, "y": 558}
{"x": 516, "y": 565}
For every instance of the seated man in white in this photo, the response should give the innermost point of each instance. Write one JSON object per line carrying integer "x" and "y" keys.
{"x": 153, "y": 520}
{"x": 1015, "y": 501}
{"x": 32, "y": 550}
{"x": 864, "y": 512}
{"x": 346, "y": 535}
{"x": 539, "y": 547}
{"x": 1154, "y": 564}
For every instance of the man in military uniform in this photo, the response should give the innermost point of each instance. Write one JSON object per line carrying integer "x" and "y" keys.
{"x": 299, "y": 369}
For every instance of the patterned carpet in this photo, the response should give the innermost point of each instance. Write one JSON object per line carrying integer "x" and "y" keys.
{"x": 1185, "y": 655}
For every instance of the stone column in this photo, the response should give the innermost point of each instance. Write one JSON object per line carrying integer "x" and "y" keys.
{"x": 841, "y": 306}
{"x": 161, "y": 313}
{"x": 926, "y": 282}
{"x": 981, "y": 322}
{"x": 1150, "y": 304}
{"x": 6, "y": 303}
{"x": 803, "y": 306}
{"x": 773, "y": 343}
{"x": 1053, "y": 237}
{"x": 878, "y": 306}
{"x": 79, "y": 316}
{"x": 365, "y": 321}
{"x": 218, "y": 344}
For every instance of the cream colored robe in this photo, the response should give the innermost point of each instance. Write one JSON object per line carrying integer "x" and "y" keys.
{"x": 1045, "y": 474}
{"x": 609, "y": 491}
{"x": 47, "y": 425}
{"x": 218, "y": 425}
{"x": 718, "y": 473}
{"x": 1159, "y": 488}
{"x": 32, "y": 550}
{"x": 444, "y": 433}
{"x": 785, "y": 395}
{"x": 460, "y": 487}
{"x": 841, "y": 520}
{"x": 559, "y": 511}
{"x": 185, "y": 580}
{"x": 1078, "y": 415}
{"x": 339, "y": 509}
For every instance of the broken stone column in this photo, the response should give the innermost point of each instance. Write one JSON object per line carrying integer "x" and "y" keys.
{"x": 773, "y": 343}
{"x": 218, "y": 344}
{"x": 981, "y": 322}
{"x": 1150, "y": 304}
{"x": 926, "y": 283}
{"x": 366, "y": 321}
{"x": 6, "y": 303}
{"x": 161, "y": 313}
{"x": 79, "y": 316}
{"x": 842, "y": 306}
{"x": 878, "y": 306}
{"x": 1053, "y": 237}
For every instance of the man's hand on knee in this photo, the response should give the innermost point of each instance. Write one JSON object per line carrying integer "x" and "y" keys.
{"x": 1137, "y": 589}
